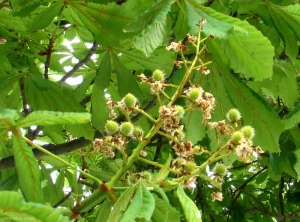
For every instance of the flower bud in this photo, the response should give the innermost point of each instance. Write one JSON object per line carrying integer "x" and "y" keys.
{"x": 111, "y": 127}
{"x": 126, "y": 128}
{"x": 220, "y": 170}
{"x": 234, "y": 115}
{"x": 158, "y": 75}
{"x": 130, "y": 100}
{"x": 248, "y": 132}
{"x": 236, "y": 137}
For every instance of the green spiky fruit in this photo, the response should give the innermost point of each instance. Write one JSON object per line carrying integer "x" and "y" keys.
{"x": 220, "y": 169}
{"x": 190, "y": 166}
{"x": 198, "y": 150}
{"x": 194, "y": 94}
{"x": 236, "y": 137}
{"x": 248, "y": 132}
{"x": 126, "y": 128}
{"x": 130, "y": 100}
{"x": 180, "y": 111}
{"x": 234, "y": 115}
{"x": 111, "y": 127}
{"x": 158, "y": 75}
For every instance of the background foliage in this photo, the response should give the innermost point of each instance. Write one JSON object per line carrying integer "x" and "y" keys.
{"x": 254, "y": 49}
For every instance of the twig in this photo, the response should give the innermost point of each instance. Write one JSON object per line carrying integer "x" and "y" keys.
{"x": 81, "y": 62}
{"x": 59, "y": 149}
{"x": 49, "y": 51}
{"x": 281, "y": 185}
{"x": 240, "y": 189}
{"x": 63, "y": 199}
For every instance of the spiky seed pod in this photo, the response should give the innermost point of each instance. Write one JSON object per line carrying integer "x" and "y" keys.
{"x": 111, "y": 127}
{"x": 146, "y": 175}
{"x": 130, "y": 100}
{"x": 158, "y": 75}
{"x": 180, "y": 111}
{"x": 194, "y": 94}
{"x": 248, "y": 132}
{"x": 126, "y": 128}
{"x": 220, "y": 169}
{"x": 234, "y": 115}
{"x": 190, "y": 166}
{"x": 198, "y": 150}
{"x": 236, "y": 137}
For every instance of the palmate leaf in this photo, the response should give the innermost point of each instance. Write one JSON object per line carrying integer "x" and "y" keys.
{"x": 142, "y": 205}
{"x": 12, "y": 22}
{"x": 293, "y": 118}
{"x": 255, "y": 111}
{"x": 46, "y": 118}
{"x": 46, "y": 16}
{"x": 153, "y": 23}
{"x": 121, "y": 205}
{"x": 191, "y": 211}
{"x": 250, "y": 53}
{"x": 11, "y": 206}
{"x": 297, "y": 165}
{"x": 106, "y": 22}
{"x": 164, "y": 211}
{"x": 126, "y": 81}
{"x": 102, "y": 81}
{"x": 286, "y": 20}
{"x": 159, "y": 59}
{"x": 194, "y": 126}
{"x": 28, "y": 171}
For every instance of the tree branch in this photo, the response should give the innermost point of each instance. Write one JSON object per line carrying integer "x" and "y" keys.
{"x": 81, "y": 62}
{"x": 59, "y": 149}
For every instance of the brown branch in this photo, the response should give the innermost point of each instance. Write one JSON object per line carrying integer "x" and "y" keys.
{"x": 240, "y": 189}
{"x": 63, "y": 199}
{"x": 49, "y": 51}
{"x": 81, "y": 62}
{"x": 59, "y": 149}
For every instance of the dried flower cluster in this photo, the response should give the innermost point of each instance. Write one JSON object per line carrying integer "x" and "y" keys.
{"x": 201, "y": 99}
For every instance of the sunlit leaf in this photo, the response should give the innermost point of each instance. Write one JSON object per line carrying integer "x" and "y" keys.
{"x": 12, "y": 206}
{"x": 27, "y": 168}
{"x": 46, "y": 118}
{"x": 191, "y": 212}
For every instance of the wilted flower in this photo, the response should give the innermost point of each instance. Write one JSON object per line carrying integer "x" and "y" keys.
{"x": 217, "y": 196}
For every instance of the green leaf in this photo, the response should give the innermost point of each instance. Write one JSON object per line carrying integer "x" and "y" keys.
{"x": 153, "y": 23}
{"x": 126, "y": 81}
{"x": 46, "y": 16}
{"x": 12, "y": 22}
{"x": 293, "y": 118}
{"x": 297, "y": 165}
{"x": 249, "y": 52}
{"x": 121, "y": 205}
{"x": 103, "y": 212}
{"x": 287, "y": 23}
{"x": 142, "y": 205}
{"x": 191, "y": 212}
{"x": 194, "y": 126}
{"x": 106, "y": 22}
{"x": 11, "y": 206}
{"x": 27, "y": 168}
{"x": 255, "y": 111}
{"x": 161, "y": 59}
{"x": 164, "y": 211}
{"x": 8, "y": 116}
{"x": 102, "y": 81}
{"x": 284, "y": 75}
{"x": 46, "y": 118}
